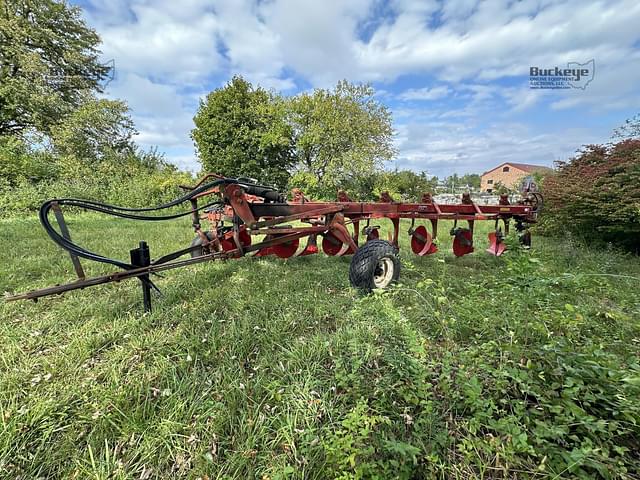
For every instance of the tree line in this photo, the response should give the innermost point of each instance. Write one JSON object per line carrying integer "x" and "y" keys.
{"x": 60, "y": 137}
{"x": 320, "y": 141}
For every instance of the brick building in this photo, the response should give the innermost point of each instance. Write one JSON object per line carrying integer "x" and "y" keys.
{"x": 509, "y": 174}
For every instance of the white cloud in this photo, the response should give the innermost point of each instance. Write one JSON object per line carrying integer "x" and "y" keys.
{"x": 425, "y": 94}
{"x": 317, "y": 39}
{"x": 162, "y": 115}
{"x": 442, "y": 147}
{"x": 144, "y": 96}
{"x": 185, "y": 161}
{"x": 170, "y": 40}
{"x": 252, "y": 48}
{"x": 499, "y": 42}
{"x": 614, "y": 86}
{"x": 475, "y": 55}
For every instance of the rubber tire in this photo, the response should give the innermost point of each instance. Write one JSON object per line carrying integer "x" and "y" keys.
{"x": 364, "y": 262}
{"x": 198, "y": 241}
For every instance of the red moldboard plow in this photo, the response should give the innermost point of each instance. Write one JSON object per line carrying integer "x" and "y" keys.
{"x": 259, "y": 222}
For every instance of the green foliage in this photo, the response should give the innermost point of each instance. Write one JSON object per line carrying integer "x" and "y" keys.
{"x": 49, "y": 61}
{"x": 341, "y": 135}
{"x": 328, "y": 139}
{"x": 456, "y": 182}
{"x": 523, "y": 366}
{"x": 402, "y": 185}
{"x": 565, "y": 413}
{"x": 93, "y": 157}
{"x": 405, "y": 185}
{"x": 241, "y": 131}
{"x": 500, "y": 188}
{"x": 382, "y": 380}
{"x": 98, "y": 129}
{"x": 135, "y": 181}
{"x": 596, "y": 195}
{"x": 20, "y": 164}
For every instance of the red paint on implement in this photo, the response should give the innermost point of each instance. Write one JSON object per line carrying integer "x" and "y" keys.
{"x": 462, "y": 242}
{"x": 228, "y": 243}
{"x": 496, "y": 245}
{"x": 286, "y": 250}
{"x": 422, "y": 242}
{"x": 262, "y": 211}
{"x": 333, "y": 246}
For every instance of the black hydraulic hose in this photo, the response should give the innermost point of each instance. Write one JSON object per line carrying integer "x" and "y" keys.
{"x": 268, "y": 193}
{"x": 172, "y": 203}
{"x": 80, "y": 251}
{"x": 118, "y": 212}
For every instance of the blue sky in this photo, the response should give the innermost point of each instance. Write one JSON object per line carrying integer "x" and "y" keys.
{"x": 455, "y": 74}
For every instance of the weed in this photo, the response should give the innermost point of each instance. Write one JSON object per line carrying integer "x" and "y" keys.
{"x": 520, "y": 366}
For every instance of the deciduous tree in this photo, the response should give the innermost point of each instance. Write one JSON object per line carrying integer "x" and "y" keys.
{"x": 48, "y": 63}
{"x": 242, "y": 131}
{"x": 97, "y": 130}
{"x": 406, "y": 185}
{"x": 340, "y": 135}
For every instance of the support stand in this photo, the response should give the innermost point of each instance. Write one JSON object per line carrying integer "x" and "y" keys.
{"x": 141, "y": 257}
{"x": 65, "y": 233}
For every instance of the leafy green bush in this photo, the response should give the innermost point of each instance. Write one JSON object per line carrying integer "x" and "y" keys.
{"x": 545, "y": 400}
{"x": 19, "y": 163}
{"x": 127, "y": 183}
{"x": 596, "y": 194}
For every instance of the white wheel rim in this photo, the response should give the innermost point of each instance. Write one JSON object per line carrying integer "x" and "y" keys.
{"x": 383, "y": 273}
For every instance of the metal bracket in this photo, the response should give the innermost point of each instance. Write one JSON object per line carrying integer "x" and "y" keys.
{"x": 141, "y": 257}
{"x": 65, "y": 233}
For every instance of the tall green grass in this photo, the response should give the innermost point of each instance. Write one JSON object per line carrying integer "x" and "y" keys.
{"x": 477, "y": 367}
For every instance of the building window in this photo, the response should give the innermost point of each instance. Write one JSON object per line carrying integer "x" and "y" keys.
{"x": 490, "y": 182}
{"x": 505, "y": 169}
{"x": 489, "y": 190}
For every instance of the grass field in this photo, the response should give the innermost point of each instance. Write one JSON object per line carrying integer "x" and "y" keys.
{"x": 524, "y": 366}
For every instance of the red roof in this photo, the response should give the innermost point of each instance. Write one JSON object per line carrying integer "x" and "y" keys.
{"x": 525, "y": 167}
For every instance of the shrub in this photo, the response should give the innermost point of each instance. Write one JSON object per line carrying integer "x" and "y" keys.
{"x": 129, "y": 183}
{"x": 596, "y": 194}
{"x": 19, "y": 162}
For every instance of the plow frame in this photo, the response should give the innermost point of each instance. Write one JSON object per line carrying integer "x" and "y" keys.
{"x": 261, "y": 211}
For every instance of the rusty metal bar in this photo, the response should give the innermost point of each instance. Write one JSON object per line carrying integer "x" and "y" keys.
{"x": 57, "y": 211}
{"x": 260, "y": 214}
{"x": 116, "y": 277}
{"x": 138, "y": 272}
{"x": 279, "y": 231}
{"x": 306, "y": 214}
